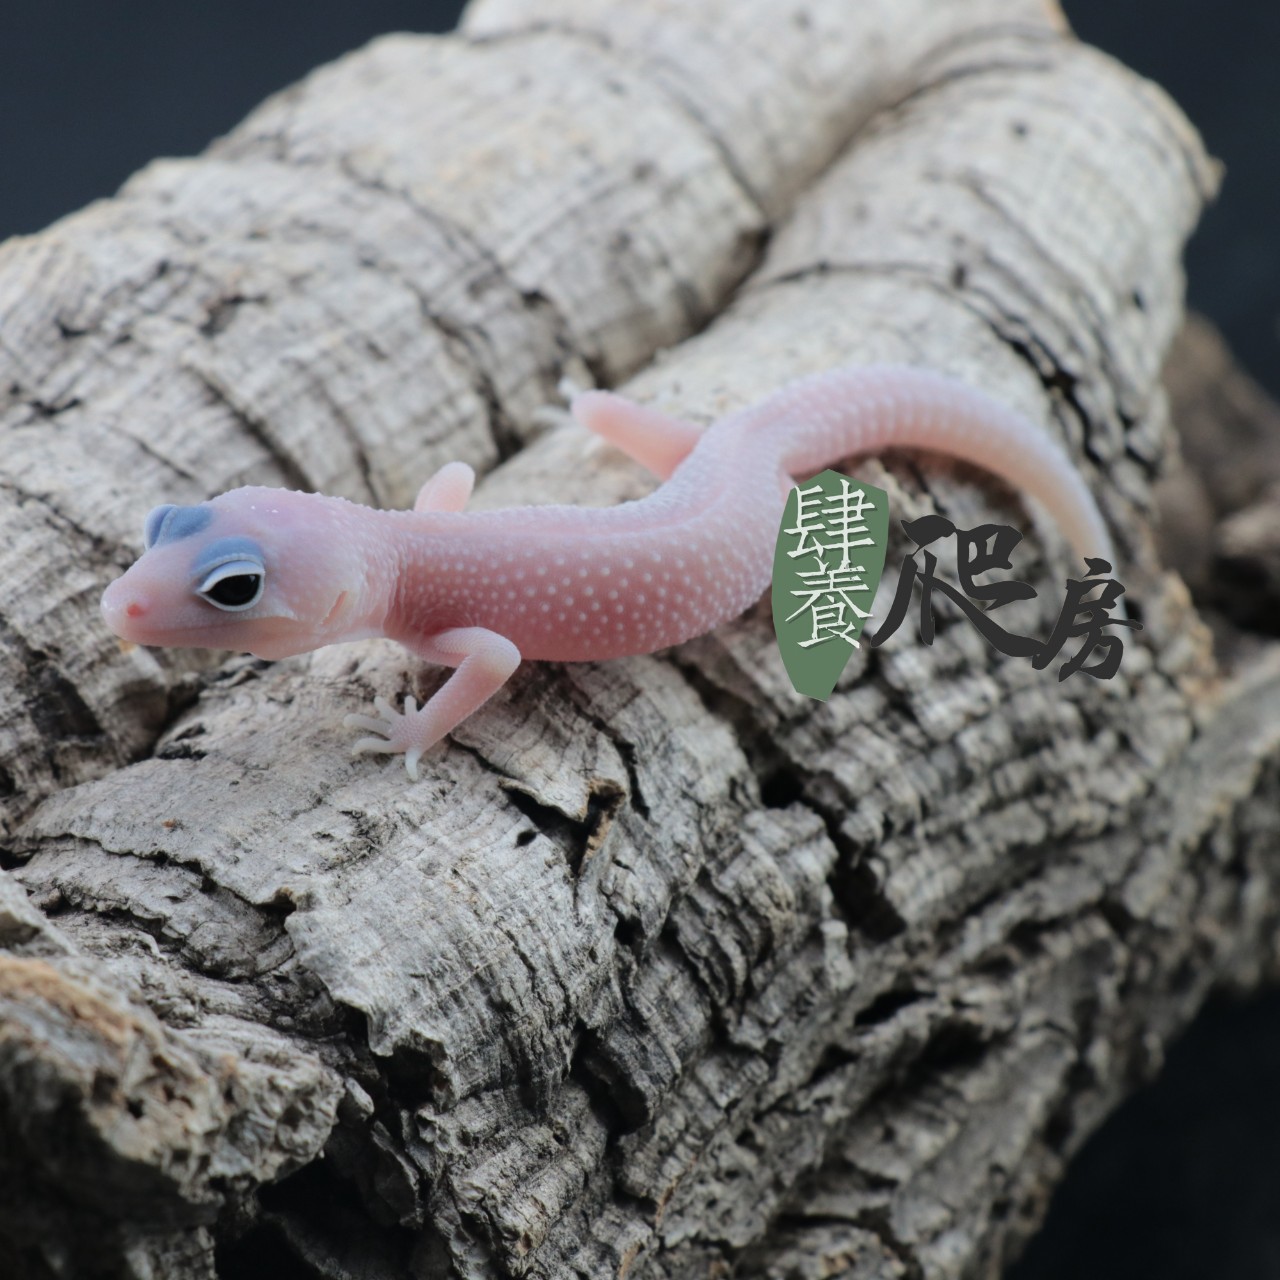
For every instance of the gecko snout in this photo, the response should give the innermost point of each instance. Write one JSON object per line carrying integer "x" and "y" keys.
{"x": 122, "y": 605}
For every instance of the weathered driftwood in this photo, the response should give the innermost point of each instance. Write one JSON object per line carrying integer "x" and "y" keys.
{"x": 662, "y": 970}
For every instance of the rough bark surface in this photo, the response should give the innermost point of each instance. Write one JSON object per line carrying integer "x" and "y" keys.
{"x": 662, "y": 970}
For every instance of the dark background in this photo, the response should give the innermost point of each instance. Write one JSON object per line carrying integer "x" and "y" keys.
{"x": 1182, "y": 1183}
{"x": 90, "y": 91}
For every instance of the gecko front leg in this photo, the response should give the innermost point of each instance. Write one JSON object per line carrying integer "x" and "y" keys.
{"x": 484, "y": 662}
{"x": 448, "y": 490}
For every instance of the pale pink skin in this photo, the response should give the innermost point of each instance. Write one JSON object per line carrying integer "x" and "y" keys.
{"x": 479, "y": 591}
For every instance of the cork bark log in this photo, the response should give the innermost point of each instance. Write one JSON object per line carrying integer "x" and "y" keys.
{"x": 662, "y": 970}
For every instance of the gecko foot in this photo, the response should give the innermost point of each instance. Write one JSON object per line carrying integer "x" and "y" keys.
{"x": 482, "y": 661}
{"x": 400, "y": 731}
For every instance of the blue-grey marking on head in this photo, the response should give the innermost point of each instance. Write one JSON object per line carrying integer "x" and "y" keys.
{"x": 223, "y": 550}
{"x": 170, "y": 523}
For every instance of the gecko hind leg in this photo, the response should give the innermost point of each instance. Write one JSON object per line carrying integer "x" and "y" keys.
{"x": 448, "y": 490}
{"x": 484, "y": 662}
{"x": 654, "y": 439}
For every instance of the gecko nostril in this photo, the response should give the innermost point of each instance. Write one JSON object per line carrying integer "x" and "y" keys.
{"x": 134, "y": 610}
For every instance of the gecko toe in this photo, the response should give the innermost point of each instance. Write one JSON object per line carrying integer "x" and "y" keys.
{"x": 367, "y": 723}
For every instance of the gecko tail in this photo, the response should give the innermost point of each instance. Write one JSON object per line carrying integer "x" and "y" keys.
{"x": 866, "y": 410}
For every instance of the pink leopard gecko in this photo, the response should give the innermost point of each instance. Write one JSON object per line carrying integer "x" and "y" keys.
{"x": 276, "y": 573}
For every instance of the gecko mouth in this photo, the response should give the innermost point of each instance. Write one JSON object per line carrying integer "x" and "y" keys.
{"x": 130, "y": 613}
{"x": 132, "y": 630}
{"x": 261, "y": 640}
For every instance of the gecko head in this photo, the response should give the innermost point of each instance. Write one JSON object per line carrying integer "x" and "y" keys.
{"x": 262, "y": 571}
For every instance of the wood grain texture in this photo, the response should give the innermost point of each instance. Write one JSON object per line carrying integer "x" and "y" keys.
{"x": 662, "y": 970}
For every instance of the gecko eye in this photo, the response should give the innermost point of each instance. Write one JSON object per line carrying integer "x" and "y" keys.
{"x": 234, "y": 586}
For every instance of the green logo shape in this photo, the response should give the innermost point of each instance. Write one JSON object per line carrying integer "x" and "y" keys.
{"x": 827, "y": 566}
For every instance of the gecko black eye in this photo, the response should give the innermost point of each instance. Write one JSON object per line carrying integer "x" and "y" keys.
{"x": 235, "y": 585}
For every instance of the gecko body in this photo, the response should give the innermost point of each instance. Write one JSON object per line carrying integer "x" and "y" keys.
{"x": 275, "y": 573}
